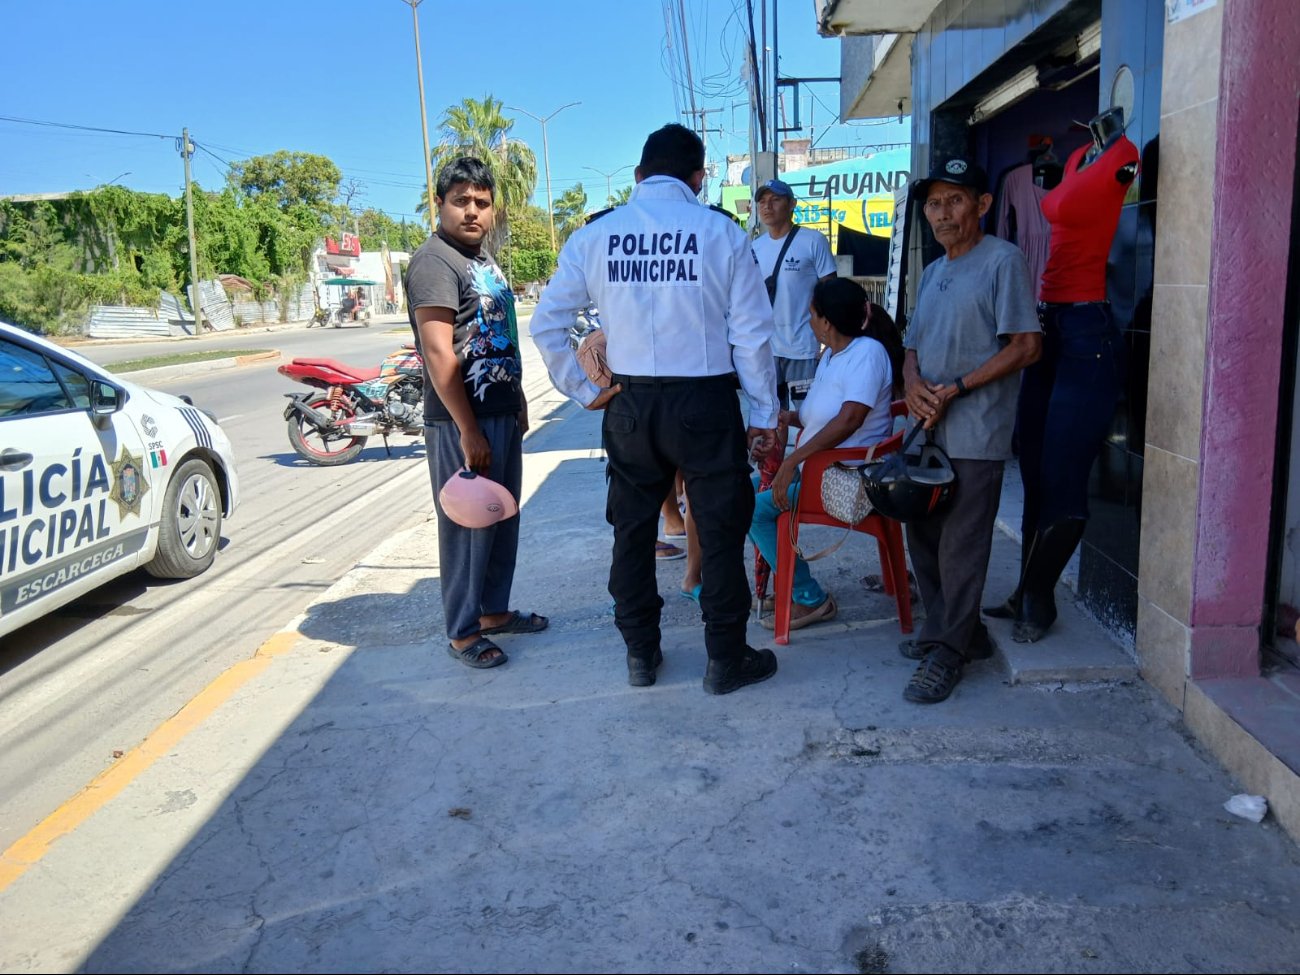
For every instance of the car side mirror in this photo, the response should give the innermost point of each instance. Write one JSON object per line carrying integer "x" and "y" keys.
{"x": 105, "y": 400}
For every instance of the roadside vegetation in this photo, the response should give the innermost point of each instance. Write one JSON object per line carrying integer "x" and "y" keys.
{"x": 114, "y": 245}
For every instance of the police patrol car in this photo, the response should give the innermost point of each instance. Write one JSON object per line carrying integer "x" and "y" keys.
{"x": 99, "y": 476}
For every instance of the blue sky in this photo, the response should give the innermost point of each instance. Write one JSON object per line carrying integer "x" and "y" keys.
{"x": 338, "y": 78}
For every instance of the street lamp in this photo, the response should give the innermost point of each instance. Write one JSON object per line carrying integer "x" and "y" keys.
{"x": 111, "y": 181}
{"x": 546, "y": 160}
{"x": 424, "y": 117}
{"x": 608, "y": 176}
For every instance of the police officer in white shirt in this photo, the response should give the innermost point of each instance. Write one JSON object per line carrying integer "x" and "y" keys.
{"x": 686, "y": 315}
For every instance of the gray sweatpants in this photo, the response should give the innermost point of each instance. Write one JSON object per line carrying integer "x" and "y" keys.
{"x": 950, "y": 555}
{"x": 476, "y": 565}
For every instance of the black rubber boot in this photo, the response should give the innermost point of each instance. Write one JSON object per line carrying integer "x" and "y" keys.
{"x": 1052, "y": 550}
{"x": 1010, "y": 610}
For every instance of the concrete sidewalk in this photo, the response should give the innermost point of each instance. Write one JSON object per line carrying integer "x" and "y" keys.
{"x": 360, "y": 802}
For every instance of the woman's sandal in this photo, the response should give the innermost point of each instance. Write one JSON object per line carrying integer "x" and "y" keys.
{"x": 667, "y": 552}
{"x": 823, "y": 612}
{"x": 475, "y": 655}
{"x": 518, "y": 623}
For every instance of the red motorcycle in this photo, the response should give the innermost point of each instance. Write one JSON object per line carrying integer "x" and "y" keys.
{"x": 348, "y": 404}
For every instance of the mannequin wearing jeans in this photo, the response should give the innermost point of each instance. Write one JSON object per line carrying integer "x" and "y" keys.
{"x": 1068, "y": 397}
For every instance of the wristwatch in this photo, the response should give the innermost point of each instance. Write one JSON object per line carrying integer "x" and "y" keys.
{"x": 961, "y": 387}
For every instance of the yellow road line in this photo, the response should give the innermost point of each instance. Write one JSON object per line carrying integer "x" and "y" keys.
{"x": 28, "y": 851}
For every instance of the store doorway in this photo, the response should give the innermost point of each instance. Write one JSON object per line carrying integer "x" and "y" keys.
{"x": 1282, "y": 639}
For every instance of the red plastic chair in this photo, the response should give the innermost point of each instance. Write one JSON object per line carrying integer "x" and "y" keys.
{"x": 887, "y": 532}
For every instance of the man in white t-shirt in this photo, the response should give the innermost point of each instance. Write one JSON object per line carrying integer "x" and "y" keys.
{"x": 805, "y": 261}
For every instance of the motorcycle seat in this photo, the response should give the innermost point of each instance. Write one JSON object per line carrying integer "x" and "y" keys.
{"x": 360, "y": 373}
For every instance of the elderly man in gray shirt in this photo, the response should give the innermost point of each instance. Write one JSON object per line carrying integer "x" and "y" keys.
{"x": 975, "y": 327}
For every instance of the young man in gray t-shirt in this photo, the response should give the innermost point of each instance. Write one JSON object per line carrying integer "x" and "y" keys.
{"x": 975, "y": 327}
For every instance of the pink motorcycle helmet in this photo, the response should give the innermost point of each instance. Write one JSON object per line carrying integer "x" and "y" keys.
{"x": 472, "y": 501}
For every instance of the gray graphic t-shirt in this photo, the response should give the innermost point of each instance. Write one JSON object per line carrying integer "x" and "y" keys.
{"x": 964, "y": 311}
{"x": 485, "y": 336}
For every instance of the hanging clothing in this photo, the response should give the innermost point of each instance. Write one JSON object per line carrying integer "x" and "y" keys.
{"x": 1084, "y": 213}
{"x": 1020, "y": 219}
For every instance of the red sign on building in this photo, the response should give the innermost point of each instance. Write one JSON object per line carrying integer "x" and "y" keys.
{"x": 349, "y": 245}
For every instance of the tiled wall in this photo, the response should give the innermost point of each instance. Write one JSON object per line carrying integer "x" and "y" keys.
{"x": 1188, "y": 112}
{"x": 967, "y": 46}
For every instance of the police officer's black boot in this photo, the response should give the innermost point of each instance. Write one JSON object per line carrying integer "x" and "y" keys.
{"x": 1010, "y": 610}
{"x": 1052, "y": 549}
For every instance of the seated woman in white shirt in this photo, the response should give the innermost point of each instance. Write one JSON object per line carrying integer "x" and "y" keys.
{"x": 847, "y": 405}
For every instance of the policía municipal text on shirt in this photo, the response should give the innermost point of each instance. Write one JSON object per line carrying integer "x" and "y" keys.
{"x": 657, "y": 258}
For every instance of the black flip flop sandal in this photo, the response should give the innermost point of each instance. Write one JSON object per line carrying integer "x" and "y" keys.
{"x": 518, "y": 623}
{"x": 474, "y": 655}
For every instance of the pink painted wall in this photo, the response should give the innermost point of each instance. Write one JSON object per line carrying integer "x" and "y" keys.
{"x": 1259, "y": 109}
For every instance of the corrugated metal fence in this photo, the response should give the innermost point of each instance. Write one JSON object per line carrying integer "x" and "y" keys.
{"x": 129, "y": 321}
{"x": 125, "y": 322}
{"x": 300, "y": 307}
{"x": 172, "y": 318}
{"x": 216, "y": 306}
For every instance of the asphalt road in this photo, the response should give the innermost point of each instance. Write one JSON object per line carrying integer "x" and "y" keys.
{"x": 98, "y": 675}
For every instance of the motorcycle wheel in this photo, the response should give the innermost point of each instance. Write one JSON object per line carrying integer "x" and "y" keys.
{"x": 316, "y": 448}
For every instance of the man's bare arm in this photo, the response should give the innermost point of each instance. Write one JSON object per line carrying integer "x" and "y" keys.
{"x": 436, "y": 326}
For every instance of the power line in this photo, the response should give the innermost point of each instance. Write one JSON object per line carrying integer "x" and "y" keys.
{"x": 85, "y": 128}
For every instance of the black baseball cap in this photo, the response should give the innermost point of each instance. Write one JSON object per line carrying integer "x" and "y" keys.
{"x": 959, "y": 171}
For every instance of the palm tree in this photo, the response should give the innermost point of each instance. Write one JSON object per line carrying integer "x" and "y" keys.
{"x": 477, "y": 128}
{"x": 619, "y": 198}
{"x": 570, "y": 210}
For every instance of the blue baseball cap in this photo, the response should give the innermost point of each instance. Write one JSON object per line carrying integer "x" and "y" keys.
{"x": 774, "y": 186}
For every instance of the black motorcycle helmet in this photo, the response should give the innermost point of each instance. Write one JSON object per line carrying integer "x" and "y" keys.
{"x": 909, "y": 488}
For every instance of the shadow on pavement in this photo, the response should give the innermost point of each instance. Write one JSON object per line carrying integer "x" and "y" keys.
{"x": 402, "y": 812}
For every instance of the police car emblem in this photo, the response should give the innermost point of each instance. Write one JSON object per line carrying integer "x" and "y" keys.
{"x": 956, "y": 166}
{"x": 150, "y": 425}
{"x": 129, "y": 484}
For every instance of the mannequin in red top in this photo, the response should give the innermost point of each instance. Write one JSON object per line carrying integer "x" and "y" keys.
{"x": 1068, "y": 397}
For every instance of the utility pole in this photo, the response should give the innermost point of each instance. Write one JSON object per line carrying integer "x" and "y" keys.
{"x": 776, "y": 91}
{"x": 424, "y": 115}
{"x": 187, "y": 150}
{"x": 703, "y": 115}
{"x": 546, "y": 160}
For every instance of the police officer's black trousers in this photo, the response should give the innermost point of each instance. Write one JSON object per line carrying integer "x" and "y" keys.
{"x": 652, "y": 429}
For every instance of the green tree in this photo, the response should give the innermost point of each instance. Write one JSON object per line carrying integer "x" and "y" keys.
{"x": 477, "y": 128}
{"x": 535, "y": 265}
{"x": 620, "y": 197}
{"x": 378, "y": 227}
{"x": 526, "y": 254}
{"x": 570, "y": 211}
{"x": 288, "y": 178}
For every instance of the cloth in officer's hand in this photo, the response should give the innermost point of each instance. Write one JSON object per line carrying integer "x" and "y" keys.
{"x": 591, "y": 356}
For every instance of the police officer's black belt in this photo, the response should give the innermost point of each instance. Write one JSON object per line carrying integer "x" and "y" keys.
{"x": 727, "y": 377}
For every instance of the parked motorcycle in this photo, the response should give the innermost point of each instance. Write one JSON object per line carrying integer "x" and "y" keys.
{"x": 588, "y": 321}
{"x": 348, "y": 404}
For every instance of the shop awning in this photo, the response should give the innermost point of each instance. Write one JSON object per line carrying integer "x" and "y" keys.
{"x": 839, "y": 17}
{"x": 350, "y": 281}
{"x": 887, "y": 88}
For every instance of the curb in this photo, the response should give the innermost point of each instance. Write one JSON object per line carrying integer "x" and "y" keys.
{"x": 160, "y": 373}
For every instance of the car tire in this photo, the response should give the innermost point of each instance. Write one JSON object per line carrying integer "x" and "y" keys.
{"x": 190, "y": 532}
